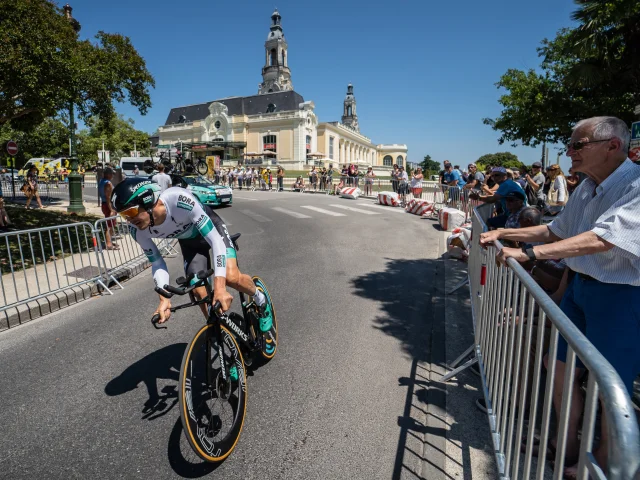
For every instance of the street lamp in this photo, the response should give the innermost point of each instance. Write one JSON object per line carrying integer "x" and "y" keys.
{"x": 75, "y": 180}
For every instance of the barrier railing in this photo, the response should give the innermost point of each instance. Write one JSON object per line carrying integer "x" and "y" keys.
{"x": 50, "y": 190}
{"x": 44, "y": 261}
{"x": 515, "y": 324}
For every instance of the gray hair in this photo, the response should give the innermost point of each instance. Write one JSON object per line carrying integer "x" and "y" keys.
{"x": 607, "y": 127}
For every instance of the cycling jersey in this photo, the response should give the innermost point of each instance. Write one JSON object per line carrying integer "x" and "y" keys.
{"x": 189, "y": 222}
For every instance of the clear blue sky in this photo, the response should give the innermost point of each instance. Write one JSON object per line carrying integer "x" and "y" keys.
{"x": 423, "y": 71}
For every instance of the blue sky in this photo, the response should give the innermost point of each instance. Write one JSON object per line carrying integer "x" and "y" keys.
{"x": 423, "y": 71}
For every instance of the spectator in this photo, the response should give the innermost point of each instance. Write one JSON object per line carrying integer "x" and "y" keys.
{"x": 572, "y": 181}
{"x": 558, "y": 194}
{"x": 344, "y": 173}
{"x": 517, "y": 178}
{"x": 596, "y": 235}
{"x": 506, "y": 185}
{"x": 453, "y": 177}
{"x": 416, "y": 183}
{"x": 323, "y": 179}
{"x": 240, "y": 178}
{"x": 160, "y": 178}
{"x": 441, "y": 179}
{"x": 105, "y": 188}
{"x": 352, "y": 175}
{"x": 30, "y": 187}
{"x": 394, "y": 178}
{"x": 403, "y": 183}
{"x": 280, "y": 178}
{"x": 514, "y": 201}
{"x": 264, "y": 179}
{"x": 475, "y": 179}
{"x": 313, "y": 178}
{"x": 535, "y": 185}
{"x": 368, "y": 181}
{"x": 338, "y": 188}
{"x": 529, "y": 217}
{"x": 269, "y": 179}
{"x": 5, "y": 223}
{"x": 330, "y": 173}
{"x": 356, "y": 176}
{"x": 490, "y": 183}
{"x": 136, "y": 171}
{"x": 298, "y": 185}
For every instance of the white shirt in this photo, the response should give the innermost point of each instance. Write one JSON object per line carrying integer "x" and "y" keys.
{"x": 611, "y": 210}
{"x": 163, "y": 180}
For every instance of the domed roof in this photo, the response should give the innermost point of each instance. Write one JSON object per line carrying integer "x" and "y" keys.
{"x": 275, "y": 35}
{"x": 275, "y": 13}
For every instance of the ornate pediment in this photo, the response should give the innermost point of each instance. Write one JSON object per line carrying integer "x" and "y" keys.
{"x": 218, "y": 109}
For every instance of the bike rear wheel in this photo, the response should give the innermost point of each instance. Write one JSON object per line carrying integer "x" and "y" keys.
{"x": 202, "y": 167}
{"x": 212, "y": 409}
{"x": 270, "y": 344}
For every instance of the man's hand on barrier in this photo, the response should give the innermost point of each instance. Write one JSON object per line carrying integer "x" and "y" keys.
{"x": 516, "y": 253}
{"x": 487, "y": 238}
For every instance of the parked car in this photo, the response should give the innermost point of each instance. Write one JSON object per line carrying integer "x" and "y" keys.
{"x": 205, "y": 190}
{"x": 6, "y": 176}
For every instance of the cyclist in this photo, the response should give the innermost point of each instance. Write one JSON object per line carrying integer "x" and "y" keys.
{"x": 176, "y": 213}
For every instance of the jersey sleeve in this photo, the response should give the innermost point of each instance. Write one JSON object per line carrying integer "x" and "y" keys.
{"x": 158, "y": 265}
{"x": 208, "y": 230}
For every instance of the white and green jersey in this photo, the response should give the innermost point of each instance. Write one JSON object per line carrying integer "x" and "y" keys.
{"x": 186, "y": 219}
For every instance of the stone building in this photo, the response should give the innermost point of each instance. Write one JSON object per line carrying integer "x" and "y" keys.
{"x": 277, "y": 121}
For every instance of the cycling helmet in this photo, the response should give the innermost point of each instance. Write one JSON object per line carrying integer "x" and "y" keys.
{"x": 134, "y": 193}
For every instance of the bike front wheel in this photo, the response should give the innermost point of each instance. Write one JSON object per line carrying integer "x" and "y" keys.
{"x": 212, "y": 404}
{"x": 202, "y": 167}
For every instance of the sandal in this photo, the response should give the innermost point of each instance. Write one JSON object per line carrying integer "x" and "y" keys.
{"x": 113, "y": 247}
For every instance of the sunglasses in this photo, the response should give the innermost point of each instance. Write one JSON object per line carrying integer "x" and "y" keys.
{"x": 129, "y": 212}
{"x": 579, "y": 145}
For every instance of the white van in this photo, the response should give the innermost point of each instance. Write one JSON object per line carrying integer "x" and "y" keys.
{"x": 39, "y": 164}
{"x": 128, "y": 165}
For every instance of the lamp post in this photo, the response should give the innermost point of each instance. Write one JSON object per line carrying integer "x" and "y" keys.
{"x": 74, "y": 179}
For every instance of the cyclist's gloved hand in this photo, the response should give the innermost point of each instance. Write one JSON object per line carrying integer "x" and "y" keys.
{"x": 225, "y": 298}
{"x": 164, "y": 309}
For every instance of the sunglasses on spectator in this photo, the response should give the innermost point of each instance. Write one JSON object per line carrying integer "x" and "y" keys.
{"x": 579, "y": 145}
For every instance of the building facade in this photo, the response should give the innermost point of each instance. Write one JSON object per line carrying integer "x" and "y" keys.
{"x": 277, "y": 122}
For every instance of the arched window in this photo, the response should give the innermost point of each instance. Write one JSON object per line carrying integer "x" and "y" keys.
{"x": 387, "y": 161}
{"x": 283, "y": 55}
{"x": 399, "y": 160}
{"x": 349, "y": 111}
{"x": 271, "y": 108}
{"x": 273, "y": 57}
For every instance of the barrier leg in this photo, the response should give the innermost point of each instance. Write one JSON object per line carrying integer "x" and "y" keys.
{"x": 464, "y": 282}
{"x": 457, "y": 361}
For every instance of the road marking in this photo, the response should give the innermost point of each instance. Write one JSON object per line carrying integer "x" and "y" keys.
{"x": 247, "y": 198}
{"x": 388, "y": 209}
{"x": 290, "y": 212}
{"x": 322, "y": 210}
{"x": 344, "y": 207}
{"x": 256, "y": 216}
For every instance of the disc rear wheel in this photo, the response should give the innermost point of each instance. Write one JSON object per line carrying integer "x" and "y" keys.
{"x": 212, "y": 404}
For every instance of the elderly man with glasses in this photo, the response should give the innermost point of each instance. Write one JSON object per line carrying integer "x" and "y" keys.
{"x": 597, "y": 236}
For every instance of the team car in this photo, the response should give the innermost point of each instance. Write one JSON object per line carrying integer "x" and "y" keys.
{"x": 205, "y": 190}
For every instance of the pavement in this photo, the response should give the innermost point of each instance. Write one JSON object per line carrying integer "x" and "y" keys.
{"x": 353, "y": 392}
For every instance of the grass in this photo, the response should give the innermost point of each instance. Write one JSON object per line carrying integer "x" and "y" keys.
{"x": 23, "y": 250}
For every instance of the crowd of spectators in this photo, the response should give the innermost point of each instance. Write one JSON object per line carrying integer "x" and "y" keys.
{"x": 587, "y": 258}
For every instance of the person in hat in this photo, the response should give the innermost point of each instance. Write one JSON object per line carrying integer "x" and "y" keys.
{"x": 506, "y": 185}
{"x": 535, "y": 183}
{"x": 515, "y": 204}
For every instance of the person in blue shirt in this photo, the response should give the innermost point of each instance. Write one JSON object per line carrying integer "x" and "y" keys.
{"x": 453, "y": 177}
{"x": 506, "y": 186}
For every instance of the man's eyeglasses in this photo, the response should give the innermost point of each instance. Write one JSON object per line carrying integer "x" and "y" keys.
{"x": 579, "y": 145}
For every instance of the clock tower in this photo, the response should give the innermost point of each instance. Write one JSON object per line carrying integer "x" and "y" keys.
{"x": 276, "y": 76}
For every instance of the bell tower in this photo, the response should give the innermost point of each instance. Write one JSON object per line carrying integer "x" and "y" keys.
{"x": 276, "y": 76}
{"x": 349, "y": 117}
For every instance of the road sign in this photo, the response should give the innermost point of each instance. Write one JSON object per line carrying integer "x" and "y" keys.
{"x": 635, "y": 131}
{"x": 168, "y": 145}
{"x": 634, "y": 150}
{"x": 12, "y": 147}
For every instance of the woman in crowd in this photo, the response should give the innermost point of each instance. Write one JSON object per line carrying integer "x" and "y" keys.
{"x": 394, "y": 178}
{"x": 572, "y": 181}
{"x": 558, "y": 193}
{"x": 416, "y": 183}
{"x": 298, "y": 186}
{"x": 280, "y": 177}
{"x": 313, "y": 178}
{"x": 368, "y": 181}
{"x": 30, "y": 187}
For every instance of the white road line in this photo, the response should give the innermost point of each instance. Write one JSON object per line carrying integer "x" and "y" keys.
{"x": 322, "y": 210}
{"x": 247, "y": 198}
{"x": 345, "y": 207}
{"x": 388, "y": 209}
{"x": 256, "y": 216}
{"x": 290, "y": 212}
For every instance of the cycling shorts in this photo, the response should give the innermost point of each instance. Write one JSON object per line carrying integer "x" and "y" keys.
{"x": 196, "y": 252}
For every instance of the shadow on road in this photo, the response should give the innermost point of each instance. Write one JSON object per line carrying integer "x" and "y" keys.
{"x": 161, "y": 364}
{"x": 182, "y": 459}
{"x": 411, "y": 296}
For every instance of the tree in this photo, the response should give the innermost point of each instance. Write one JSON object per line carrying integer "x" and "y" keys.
{"x": 45, "y": 67}
{"x": 119, "y": 136}
{"x": 591, "y": 70}
{"x": 429, "y": 166}
{"x": 48, "y": 139}
{"x": 501, "y": 159}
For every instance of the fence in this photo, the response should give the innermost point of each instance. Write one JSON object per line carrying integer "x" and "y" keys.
{"x": 515, "y": 324}
{"x": 51, "y": 190}
{"x": 44, "y": 261}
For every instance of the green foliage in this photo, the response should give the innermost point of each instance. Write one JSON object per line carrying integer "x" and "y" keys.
{"x": 591, "y": 70}
{"x": 429, "y": 166}
{"x": 45, "y": 67}
{"x": 50, "y": 138}
{"x": 501, "y": 159}
{"x": 118, "y": 134}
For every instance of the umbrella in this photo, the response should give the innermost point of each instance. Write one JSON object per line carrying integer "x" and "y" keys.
{"x": 268, "y": 152}
{"x": 252, "y": 154}
{"x": 316, "y": 154}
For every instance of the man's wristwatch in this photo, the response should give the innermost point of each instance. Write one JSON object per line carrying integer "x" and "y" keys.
{"x": 528, "y": 249}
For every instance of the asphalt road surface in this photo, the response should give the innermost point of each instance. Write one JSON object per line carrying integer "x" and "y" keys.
{"x": 90, "y": 391}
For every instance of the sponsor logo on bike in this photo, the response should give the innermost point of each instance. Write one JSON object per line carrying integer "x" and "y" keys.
{"x": 236, "y": 329}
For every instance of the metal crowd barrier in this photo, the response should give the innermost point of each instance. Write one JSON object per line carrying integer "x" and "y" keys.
{"x": 44, "y": 261}
{"x": 515, "y": 324}
{"x": 49, "y": 190}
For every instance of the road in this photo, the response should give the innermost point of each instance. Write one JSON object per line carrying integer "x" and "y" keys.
{"x": 90, "y": 391}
